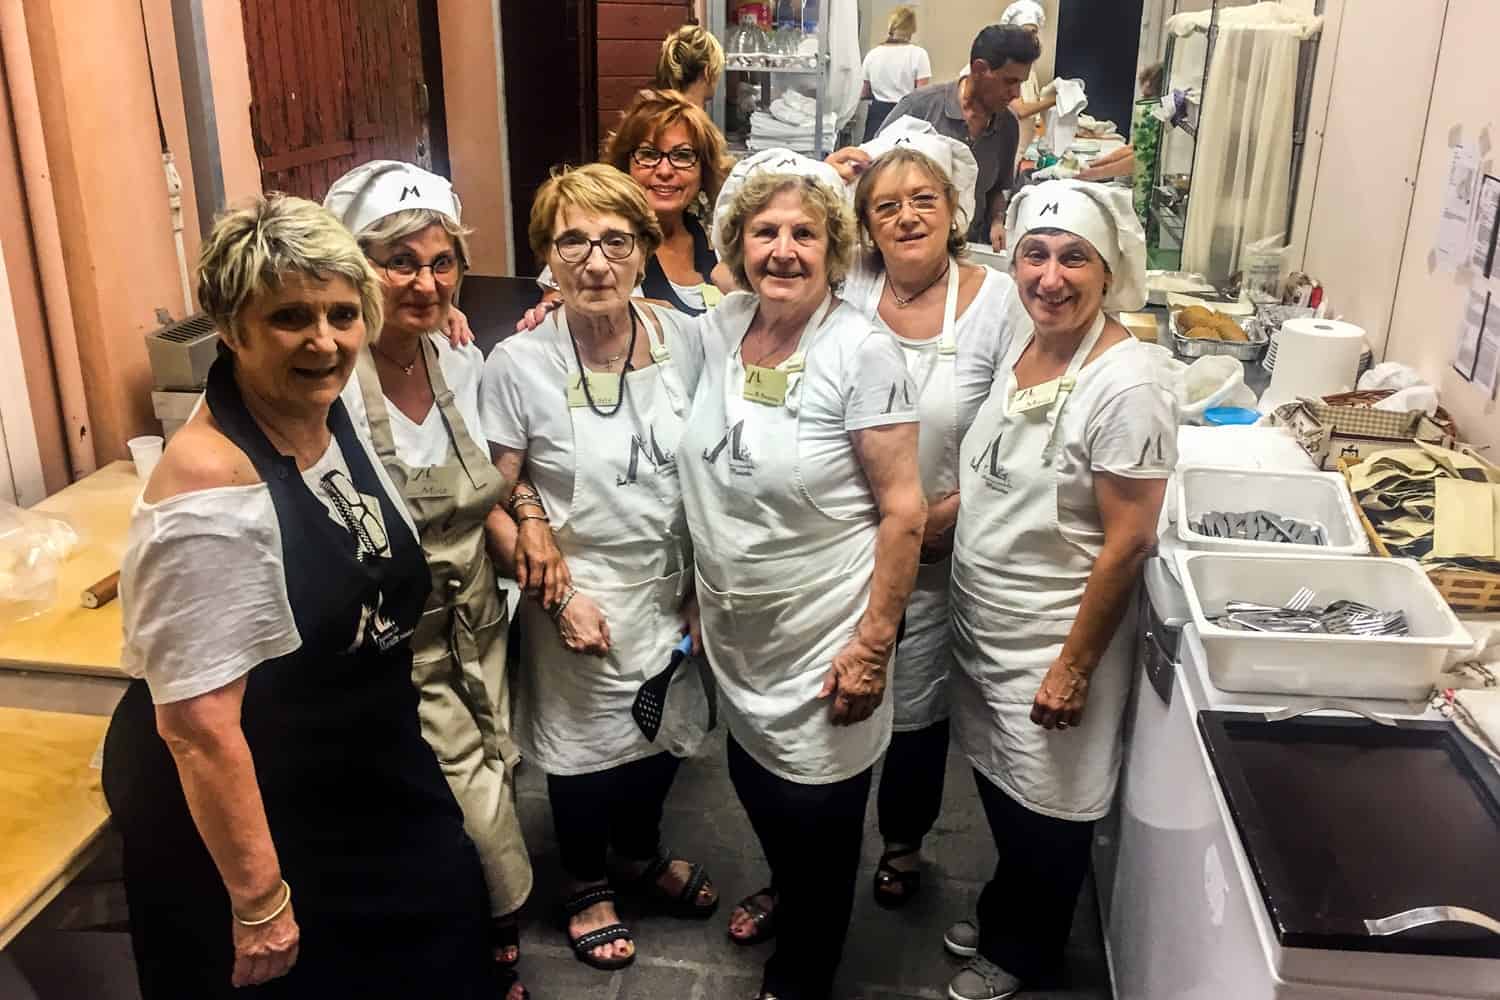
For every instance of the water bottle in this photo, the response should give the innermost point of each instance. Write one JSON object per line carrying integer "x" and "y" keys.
{"x": 809, "y": 17}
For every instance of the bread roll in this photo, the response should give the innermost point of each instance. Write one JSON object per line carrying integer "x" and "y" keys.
{"x": 1204, "y": 333}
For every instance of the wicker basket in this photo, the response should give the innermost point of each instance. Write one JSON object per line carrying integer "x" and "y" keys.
{"x": 1467, "y": 591}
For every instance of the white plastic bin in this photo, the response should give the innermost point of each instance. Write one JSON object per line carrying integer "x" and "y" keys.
{"x": 1335, "y": 666}
{"x": 1309, "y": 496}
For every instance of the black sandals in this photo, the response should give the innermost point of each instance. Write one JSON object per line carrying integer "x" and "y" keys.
{"x": 584, "y": 944}
{"x": 894, "y": 887}
{"x": 760, "y": 916}
{"x": 684, "y": 904}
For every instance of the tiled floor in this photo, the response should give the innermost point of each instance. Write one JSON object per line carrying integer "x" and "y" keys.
{"x": 890, "y": 955}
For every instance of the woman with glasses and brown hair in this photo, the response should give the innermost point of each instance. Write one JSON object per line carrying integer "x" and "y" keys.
{"x": 592, "y": 405}
{"x": 671, "y": 148}
{"x": 415, "y": 398}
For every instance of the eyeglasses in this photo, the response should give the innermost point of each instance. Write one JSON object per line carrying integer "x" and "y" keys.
{"x": 404, "y": 267}
{"x": 922, "y": 204}
{"x": 362, "y": 522}
{"x": 575, "y": 249}
{"x": 681, "y": 157}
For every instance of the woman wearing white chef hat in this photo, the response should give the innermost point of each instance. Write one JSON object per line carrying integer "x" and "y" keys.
{"x": 799, "y": 475}
{"x": 953, "y": 321}
{"x": 416, "y": 397}
{"x": 1062, "y": 475}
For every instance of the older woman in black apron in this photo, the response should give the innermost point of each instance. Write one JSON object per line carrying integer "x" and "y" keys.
{"x": 271, "y": 742}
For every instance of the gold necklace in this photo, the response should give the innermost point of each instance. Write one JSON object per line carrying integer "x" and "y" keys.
{"x": 406, "y": 368}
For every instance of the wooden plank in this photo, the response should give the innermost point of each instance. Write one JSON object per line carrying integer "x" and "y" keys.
{"x": 54, "y": 808}
{"x": 69, "y": 638}
{"x": 294, "y": 83}
{"x": 272, "y": 99}
{"x": 316, "y": 50}
{"x": 624, "y": 57}
{"x": 308, "y": 156}
{"x": 616, "y": 92}
{"x": 652, "y": 21}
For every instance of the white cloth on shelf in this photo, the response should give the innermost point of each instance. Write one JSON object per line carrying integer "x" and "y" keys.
{"x": 1268, "y": 14}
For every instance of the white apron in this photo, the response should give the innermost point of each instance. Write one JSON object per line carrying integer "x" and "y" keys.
{"x": 1004, "y": 642}
{"x": 772, "y": 635}
{"x": 625, "y": 540}
{"x": 919, "y": 675}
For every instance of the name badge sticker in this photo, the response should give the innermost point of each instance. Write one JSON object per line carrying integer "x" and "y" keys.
{"x": 434, "y": 483}
{"x": 604, "y": 388}
{"x": 1038, "y": 397}
{"x": 711, "y": 295}
{"x": 765, "y": 385}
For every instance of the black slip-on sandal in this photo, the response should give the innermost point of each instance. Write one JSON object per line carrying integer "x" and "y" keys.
{"x": 584, "y": 944}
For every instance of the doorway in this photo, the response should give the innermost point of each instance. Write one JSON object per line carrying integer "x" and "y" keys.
{"x": 335, "y": 83}
{"x": 1096, "y": 42}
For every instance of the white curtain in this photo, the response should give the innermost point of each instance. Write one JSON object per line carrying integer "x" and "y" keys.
{"x": 1241, "y": 179}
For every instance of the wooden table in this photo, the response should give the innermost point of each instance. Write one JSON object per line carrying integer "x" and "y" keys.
{"x": 54, "y": 812}
{"x": 71, "y": 639}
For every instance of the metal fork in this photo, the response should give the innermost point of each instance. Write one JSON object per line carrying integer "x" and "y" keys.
{"x": 1301, "y": 600}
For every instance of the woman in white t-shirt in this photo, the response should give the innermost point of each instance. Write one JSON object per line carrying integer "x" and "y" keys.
{"x": 416, "y": 398}
{"x": 592, "y": 404}
{"x": 893, "y": 69}
{"x": 271, "y": 740}
{"x": 799, "y": 475}
{"x": 954, "y": 321}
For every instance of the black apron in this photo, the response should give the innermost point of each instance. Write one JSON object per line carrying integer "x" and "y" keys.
{"x": 656, "y": 284}
{"x": 387, "y": 888}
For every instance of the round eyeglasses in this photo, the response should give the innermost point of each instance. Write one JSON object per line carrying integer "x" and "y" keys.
{"x": 404, "y": 267}
{"x": 922, "y": 204}
{"x": 575, "y": 249}
{"x": 681, "y": 157}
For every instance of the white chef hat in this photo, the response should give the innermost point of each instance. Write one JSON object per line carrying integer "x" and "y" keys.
{"x": 954, "y": 157}
{"x": 771, "y": 161}
{"x": 1024, "y": 12}
{"x": 373, "y": 190}
{"x": 1103, "y": 214}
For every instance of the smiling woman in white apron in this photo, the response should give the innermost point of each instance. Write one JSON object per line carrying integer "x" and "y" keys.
{"x": 416, "y": 398}
{"x": 1062, "y": 476}
{"x": 592, "y": 405}
{"x": 270, "y": 589}
{"x": 800, "y": 478}
{"x": 953, "y": 321}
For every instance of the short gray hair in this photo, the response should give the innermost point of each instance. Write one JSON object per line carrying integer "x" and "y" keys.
{"x": 252, "y": 247}
{"x": 391, "y": 229}
{"x": 827, "y": 206}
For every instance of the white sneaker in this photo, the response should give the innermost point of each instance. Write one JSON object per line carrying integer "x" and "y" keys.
{"x": 982, "y": 979}
{"x": 962, "y": 939}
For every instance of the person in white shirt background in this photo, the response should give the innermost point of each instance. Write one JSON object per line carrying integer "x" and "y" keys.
{"x": 592, "y": 403}
{"x": 954, "y": 321}
{"x": 799, "y": 470}
{"x": 893, "y": 69}
{"x": 1062, "y": 474}
{"x": 416, "y": 398}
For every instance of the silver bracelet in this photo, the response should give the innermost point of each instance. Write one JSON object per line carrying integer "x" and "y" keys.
{"x": 562, "y": 605}
{"x": 286, "y": 900}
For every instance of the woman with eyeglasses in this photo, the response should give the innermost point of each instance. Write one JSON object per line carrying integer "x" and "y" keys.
{"x": 416, "y": 398}
{"x": 592, "y": 404}
{"x": 671, "y": 148}
{"x": 952, "y": 320}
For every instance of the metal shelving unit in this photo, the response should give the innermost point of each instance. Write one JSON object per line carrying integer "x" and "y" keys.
{"x": 718, "y": 25}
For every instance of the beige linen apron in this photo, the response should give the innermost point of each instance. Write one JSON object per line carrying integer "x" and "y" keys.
{"x": 458, "y": 651}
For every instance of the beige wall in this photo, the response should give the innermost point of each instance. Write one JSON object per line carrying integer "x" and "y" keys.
{"x": 470, "y": 35}
{"x": 946, "y": 29}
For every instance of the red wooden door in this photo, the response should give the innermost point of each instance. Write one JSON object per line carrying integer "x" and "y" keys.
{"x": 334, "y": 83}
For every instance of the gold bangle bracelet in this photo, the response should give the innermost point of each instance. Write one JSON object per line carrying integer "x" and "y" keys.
{"x": 286, "y": 900}
{"x": 531, "y": 517}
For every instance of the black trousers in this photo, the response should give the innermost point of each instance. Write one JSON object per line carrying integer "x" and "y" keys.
{"x": 1026, "y": 910}
{"x": 619, "y": 807}
{"x": 911, "y": 784}
{"x": 811, "y": 837}
{"x": 875, "y": 117}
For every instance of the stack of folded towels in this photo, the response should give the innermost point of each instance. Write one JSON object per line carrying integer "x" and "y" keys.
{"x": 789, "y": 125}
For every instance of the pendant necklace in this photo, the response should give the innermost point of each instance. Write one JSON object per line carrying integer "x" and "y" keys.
{"x": 902, "y": 303}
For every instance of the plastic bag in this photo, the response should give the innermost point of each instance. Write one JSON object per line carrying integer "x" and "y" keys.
{"x": 1261, "y": 266}
{"x": 1216, "y": 380}
{"x": 32, "y": 547}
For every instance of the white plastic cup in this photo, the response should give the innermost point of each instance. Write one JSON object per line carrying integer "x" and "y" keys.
{"x": 145, "y": 452}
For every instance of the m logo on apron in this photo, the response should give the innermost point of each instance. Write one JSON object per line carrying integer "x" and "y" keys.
{"x": 376, "y": 629}
{"x": 987, "y": 464}
{"x": 740, "y": 462}
{"x": 664, "y": 463}
{"x": 905, "y": 389}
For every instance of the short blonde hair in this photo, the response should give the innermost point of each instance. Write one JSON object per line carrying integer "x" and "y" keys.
{"x": 905, "y": 156}
{"x": 902, "y": 25}
{"x": 689, "y": 54}
{"x": 253, "y": 247}
{"x": 392, "y": 229}
{"x": 597, "y": 188}
{"x": 826, "y": 205}
{"x": 651, "y": 113}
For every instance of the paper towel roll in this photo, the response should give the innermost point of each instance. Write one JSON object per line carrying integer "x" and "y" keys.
{"x": 1314, "y": 357}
